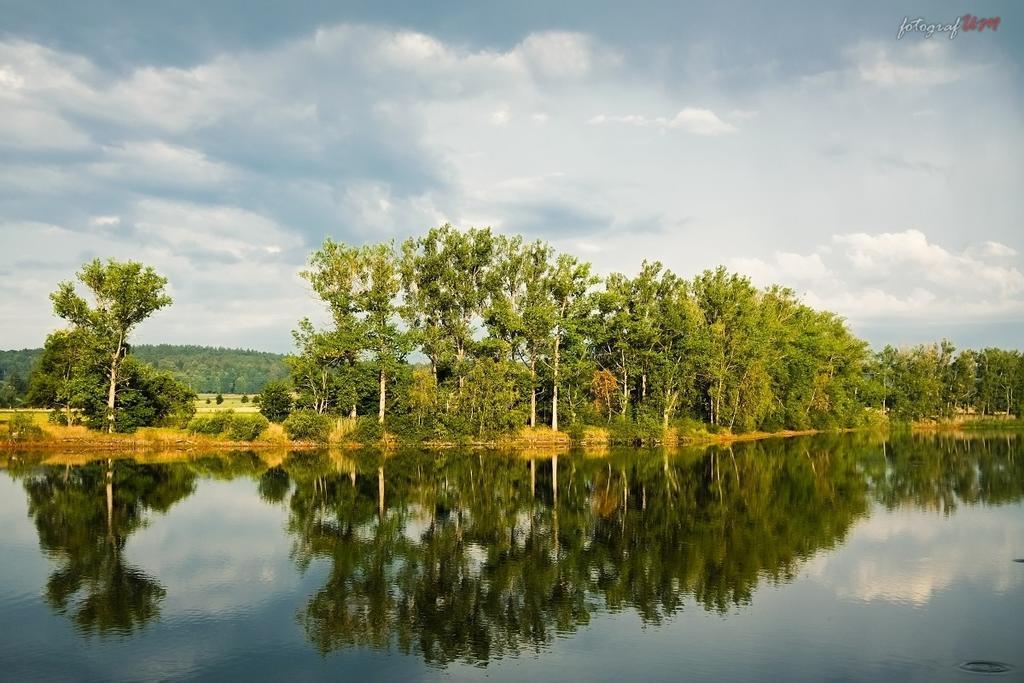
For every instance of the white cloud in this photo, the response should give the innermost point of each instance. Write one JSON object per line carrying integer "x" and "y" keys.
{"x": 160, "y": 162}
{"x": 500, "y": 117}
{"x": 700, "y": 122}
{"x": 690, "y": 119}
{"x": 869, "y": 276}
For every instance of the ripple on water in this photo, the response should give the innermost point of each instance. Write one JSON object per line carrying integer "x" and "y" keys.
{"x": 981, "y": 666}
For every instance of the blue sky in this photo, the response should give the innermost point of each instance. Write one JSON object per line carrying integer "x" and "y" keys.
{"x": 880, "y": 178}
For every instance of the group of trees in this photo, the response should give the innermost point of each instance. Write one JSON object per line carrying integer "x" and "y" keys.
{"x": 513, "y": 334}
{"x": 15, "y": 368}
{"x": 934, "y": 380}
{"x": 87, "y": 368}
{"x": 214, "y": 370}
{"x": 464, "y": 333}
{"x": 206, "y": 369}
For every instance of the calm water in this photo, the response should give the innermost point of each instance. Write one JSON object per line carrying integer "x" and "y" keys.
{"x": 827, "y": 558}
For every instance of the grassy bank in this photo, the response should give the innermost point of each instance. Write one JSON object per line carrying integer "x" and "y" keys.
{"x": 344, "y": 433}
{"x": 969, "y": 423}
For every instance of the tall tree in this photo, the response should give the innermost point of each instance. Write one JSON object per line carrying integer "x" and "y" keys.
{"x": 568, "y": 284}
{"x": 521, "y": 311}
{"x": 388, "y": 344}
{"x": 124, "y": 294}
{"x": 444, "y": 275}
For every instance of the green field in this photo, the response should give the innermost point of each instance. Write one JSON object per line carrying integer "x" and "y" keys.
{"x": 39, "y": 416}
{"x": 231, "y": 402}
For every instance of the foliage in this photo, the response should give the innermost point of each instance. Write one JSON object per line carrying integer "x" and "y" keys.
{"x": 211, "y": 423}
{"x": 124, "y": 294}
{"x": 21, "y": 427}
{"x": 235, "y": 426}
{"x": 247, "y": 426}
{"x": 146, "y": 398}
{"x": 275, "y": 400}
{"x": 308, "y": 425}
{"x": 213, "y": 369}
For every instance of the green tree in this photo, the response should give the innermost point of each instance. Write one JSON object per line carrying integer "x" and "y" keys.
{"x": 520, "y": 312}
{"x": 124, "y": 294}
{"x": 444, "y": 276}
{"x": 276, "y": 401}
{"x": 65, "y": 373}
{"x": 568, "y": 284}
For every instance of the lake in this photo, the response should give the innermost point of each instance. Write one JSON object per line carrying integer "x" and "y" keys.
{"x": 835, "y": 557}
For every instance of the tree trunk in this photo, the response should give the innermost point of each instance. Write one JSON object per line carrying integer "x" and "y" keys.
{"x": 533, "y": 391}
{"x": 112, "y": 391}
{"x": 110, "y": 499}
{"x": 380, "y": 491}
{"x": 554, "y": 391}
{"x": 383, "y": 397}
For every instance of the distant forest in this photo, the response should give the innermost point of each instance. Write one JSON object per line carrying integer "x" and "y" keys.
{"x": 205, "y": 369}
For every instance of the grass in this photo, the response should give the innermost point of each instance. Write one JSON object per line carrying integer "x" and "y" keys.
{"x": 39, "y": 416}
{"x": 231, "y": 402}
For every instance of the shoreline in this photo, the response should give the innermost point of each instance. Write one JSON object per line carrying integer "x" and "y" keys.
{"x": 101, "y": 443}
{"x": 86, "y": 442}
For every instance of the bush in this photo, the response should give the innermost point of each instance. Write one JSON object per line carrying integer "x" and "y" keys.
{"x": 247, "y": 427}
{"x": 59, "y": 416}
{"x": 219, "y": 399}
{"x": 368, "y": 430}
{"x": 244, "y": 427}
{"x": 308, "y": 425}
{"x": 211, "y": 423}
{"x": 22, "y": 427}
{"x": 275, "y": 401}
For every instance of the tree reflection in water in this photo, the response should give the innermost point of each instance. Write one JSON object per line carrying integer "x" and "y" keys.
{"x": 84, "y": 516}
{"x": 472, "y": 556}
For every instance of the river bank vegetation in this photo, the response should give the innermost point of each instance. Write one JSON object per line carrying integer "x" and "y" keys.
{"x": 472, "y": 335}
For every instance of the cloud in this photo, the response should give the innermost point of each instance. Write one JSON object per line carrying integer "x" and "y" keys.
{"x": 872, "y": 276}
{"x": 382, "y": 128}
{"x": 690, "y": 119}
{"x": 920, "y": 65}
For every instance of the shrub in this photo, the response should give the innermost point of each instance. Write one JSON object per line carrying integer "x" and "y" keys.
{"x": 211, "y": 423}
{"x": 247, "y": 427}
{"x": 368, "y": 430}
{"x": 22, "y": 427}
{"x": 275, "y": 401}
{"x": 219, "y": 399}
{"x": 59, "y": 416}
{"x": 245, "y": 398}
{"x": 308, "y": 425}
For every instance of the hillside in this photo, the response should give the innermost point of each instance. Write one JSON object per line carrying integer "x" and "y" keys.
{"x": 206, "y": 369}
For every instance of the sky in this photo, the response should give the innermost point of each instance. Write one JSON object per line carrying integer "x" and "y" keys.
{"x": 801, "y": 144}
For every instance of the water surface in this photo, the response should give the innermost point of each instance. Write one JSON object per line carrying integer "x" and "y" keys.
{"x": 824, "y": 558}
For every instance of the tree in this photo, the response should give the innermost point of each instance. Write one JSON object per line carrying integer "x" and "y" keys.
{"x": 65, "y": 373}
{"x": 520, "y": 312}
{"x": 360, "y": 285}
{"x": 275, "y": 400}
{"x": 444, "y": 276}
{"x": 124, "y": 294}
{"x": 568, "y": 284}
{"x": 377, "y": 301}
{"x": 218, "y": 399}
